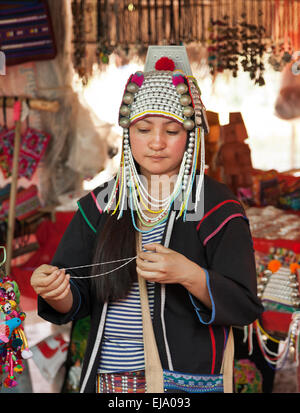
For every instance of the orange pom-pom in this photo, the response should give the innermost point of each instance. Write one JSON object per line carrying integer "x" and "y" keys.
{"x": 293, "y": 267}
{"x": 274, "y": 265}
{"x": 164, "y": 63}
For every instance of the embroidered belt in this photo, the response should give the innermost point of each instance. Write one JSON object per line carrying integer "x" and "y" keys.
{"x": 193, "y": 383}
{"x": 122, "y": 382}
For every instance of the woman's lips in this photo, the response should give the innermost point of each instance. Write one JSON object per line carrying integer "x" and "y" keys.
{"x": 157, "y": 157}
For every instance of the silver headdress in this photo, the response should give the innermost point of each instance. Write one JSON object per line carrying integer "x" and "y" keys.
{"x": 166, "y": 88}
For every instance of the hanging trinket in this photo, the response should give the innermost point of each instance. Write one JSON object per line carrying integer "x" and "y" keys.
{"x": 13, "y": 343}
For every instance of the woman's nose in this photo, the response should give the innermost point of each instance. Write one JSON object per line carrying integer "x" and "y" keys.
{"x": 157, "y": 140}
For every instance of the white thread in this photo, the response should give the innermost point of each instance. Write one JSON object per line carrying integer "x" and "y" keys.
{"x": 103, "y": 263}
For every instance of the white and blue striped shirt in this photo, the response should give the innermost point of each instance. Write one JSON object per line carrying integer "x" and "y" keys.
{"x": 122, "y": 344}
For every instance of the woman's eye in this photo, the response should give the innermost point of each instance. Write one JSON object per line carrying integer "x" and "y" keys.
{"x": 143, "y": 130}
{"x": 172, "y": 132}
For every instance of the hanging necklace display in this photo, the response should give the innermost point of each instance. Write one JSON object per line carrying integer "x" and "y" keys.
{"x": 212, "y": 48}
{"x": 233, "y": 44}
{"x": 103, "y": 50}
{"x": 261, "y": 49}
{"x": 79, "y": 37}
{"x": 281, "y": 48}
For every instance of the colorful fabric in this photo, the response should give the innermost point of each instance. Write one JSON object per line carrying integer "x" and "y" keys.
{"x": 193, "y": 383}
{"x": 247, "y": 378}
{"x": 125, "y": 382}
{"x": 33, "y": 147}
{"x": 25, "y": 32}
{"x": 77, "y": 348}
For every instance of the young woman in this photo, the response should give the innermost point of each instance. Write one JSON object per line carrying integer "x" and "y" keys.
{"x": 196, "y": 253}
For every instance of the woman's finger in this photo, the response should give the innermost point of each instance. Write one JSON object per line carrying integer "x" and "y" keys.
{"x": 58, "y": 290}
{"x": 149, "y": 275}
{"x": 148, "y": 265}
{"x": 149, "y": 256}
{"x": 57, "y": 281}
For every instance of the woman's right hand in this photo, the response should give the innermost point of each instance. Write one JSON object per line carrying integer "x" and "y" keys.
{"x": 51, "y": 283}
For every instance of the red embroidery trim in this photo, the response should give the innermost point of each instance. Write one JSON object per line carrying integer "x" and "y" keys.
{"x": 220, "y": 227}
{"x": 215, "y": 208}
{"x": 213, "y": 345}
{"x": 96, "y": 202}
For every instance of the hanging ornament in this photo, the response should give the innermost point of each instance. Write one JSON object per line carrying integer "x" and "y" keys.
{"x": 13, "y": 343}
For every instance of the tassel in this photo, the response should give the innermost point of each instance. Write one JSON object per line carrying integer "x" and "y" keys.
{"x": 26, "y": 353}
{"x": 10, "y": 381}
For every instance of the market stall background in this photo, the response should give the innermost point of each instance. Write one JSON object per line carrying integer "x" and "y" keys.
{"x": 244, "y": 54}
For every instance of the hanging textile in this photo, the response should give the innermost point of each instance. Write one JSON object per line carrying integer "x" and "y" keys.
{"x": 26, "y": 32}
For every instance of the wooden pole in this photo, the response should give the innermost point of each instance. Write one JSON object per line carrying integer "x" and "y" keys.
{"x": 13, "y": 194}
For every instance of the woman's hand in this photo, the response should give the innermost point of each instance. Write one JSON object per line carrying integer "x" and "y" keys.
{"x": 53, "y": 285}
{"x": 166, "y": 266}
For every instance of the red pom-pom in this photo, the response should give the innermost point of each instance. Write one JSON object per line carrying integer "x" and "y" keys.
{"x": 164, "y": 63}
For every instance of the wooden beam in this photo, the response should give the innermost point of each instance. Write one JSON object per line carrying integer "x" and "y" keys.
{"x": 36, "y": 104}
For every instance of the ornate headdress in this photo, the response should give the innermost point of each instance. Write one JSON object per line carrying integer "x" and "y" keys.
{"x": 165, "y": 88}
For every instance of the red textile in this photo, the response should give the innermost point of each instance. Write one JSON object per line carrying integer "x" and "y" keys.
{"x": 276, "y": 321}
{"x": 48, "y": 235}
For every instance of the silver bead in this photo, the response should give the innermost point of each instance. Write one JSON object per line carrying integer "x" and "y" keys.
{"x": 185, "y": 100}
{"x": 132, "y": 87}
{"x": 124, "y": 110}
{"x": 188, "y": 111}
{"x": 260, "y": 287}
{"x": 182, "y": 88}
{"x": 128, "y": 98}
{"x": 124, "y": 122}
{"x": 188, "y": 124}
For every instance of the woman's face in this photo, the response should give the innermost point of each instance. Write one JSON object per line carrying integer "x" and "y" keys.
{"x": 158, "y": 145}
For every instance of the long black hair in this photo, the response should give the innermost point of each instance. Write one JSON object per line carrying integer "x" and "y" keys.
{"x": 115, "y": 241}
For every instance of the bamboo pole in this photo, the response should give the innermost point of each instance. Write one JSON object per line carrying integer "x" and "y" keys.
{"x": 36, "y": 104}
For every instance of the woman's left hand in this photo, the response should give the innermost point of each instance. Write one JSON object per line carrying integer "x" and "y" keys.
{"x": 164, "y": 265}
